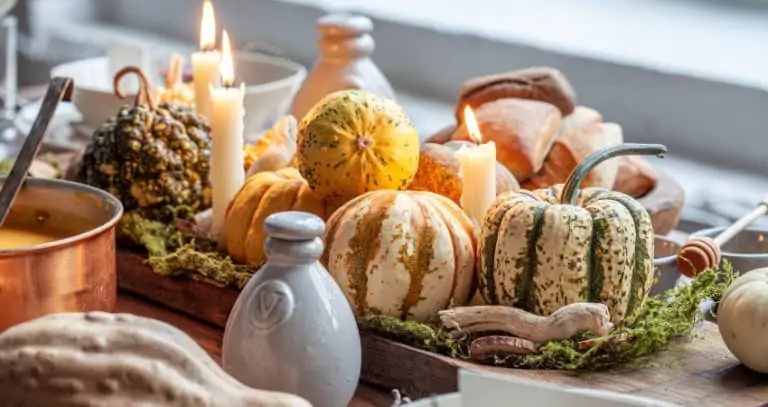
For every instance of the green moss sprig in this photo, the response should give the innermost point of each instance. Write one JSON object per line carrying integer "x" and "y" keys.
{"x": 172, "y": 252}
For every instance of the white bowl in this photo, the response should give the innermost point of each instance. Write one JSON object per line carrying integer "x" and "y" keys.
{"x": 271, "y": 84}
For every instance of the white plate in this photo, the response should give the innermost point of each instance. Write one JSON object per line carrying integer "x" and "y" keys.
{"x": 495, "y": 390}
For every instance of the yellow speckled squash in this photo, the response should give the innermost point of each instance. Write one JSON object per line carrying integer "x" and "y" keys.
{"x": 406, "y": 254}
{"x": 544, "y": 249}
{"x": 355, "y": 141}
{"x": 262, "y": 195}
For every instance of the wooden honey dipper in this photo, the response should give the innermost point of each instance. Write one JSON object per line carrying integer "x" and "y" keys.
{"x": 700, "y": 253}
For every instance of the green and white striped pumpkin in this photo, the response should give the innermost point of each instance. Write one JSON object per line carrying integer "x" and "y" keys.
{"x": 541, "y": 250}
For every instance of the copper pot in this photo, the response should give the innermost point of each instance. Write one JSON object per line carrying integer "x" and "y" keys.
{"x": 73, "y": 274}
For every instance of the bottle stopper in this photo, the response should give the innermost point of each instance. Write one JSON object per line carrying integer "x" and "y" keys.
{"x": 700, "y": 253}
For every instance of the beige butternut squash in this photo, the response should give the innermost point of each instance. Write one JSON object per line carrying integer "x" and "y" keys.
{"x": 116, "y": 360}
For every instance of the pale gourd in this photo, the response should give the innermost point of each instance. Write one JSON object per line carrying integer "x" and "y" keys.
{"x": 274, "y": 150}
{"x": 742, "y": 316}
{"x": 102, "y": 360}
{"x": 406, "y": 254}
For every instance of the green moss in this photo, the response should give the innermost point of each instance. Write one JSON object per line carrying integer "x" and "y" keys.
{"x": 427, "y": 337}
{"x": 174, "y": 253}
{"x": 212, "y": 267}
{"x": 655, "y": 326}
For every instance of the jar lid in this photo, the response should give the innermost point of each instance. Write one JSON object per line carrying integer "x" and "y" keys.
{"x": 294, "y": 226}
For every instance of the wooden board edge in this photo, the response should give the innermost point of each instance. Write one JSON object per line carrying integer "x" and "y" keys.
{"x": 201, "y": 300}
{"x": 427, "y": 373}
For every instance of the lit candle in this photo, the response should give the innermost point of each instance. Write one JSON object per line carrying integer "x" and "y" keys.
{"x": 205, "y": 63}
{"x": 477, "y": 172}
{"x": 227, "y": 114}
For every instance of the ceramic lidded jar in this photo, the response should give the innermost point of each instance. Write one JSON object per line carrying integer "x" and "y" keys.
{"x": 291, "y": 329}
{"x": 345, "y": 47}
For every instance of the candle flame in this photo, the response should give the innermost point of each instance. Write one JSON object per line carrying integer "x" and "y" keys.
{"x": 208, "y": 27}
{"x": 471, "y": 124}
{"x": 227, "y": 67}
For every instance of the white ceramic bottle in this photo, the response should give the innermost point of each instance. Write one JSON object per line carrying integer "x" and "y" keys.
{"x": 345, "y": 47}
{"x": 292, "y": 329}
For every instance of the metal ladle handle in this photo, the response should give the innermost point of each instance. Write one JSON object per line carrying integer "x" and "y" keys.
{"x": 59, "y": 89}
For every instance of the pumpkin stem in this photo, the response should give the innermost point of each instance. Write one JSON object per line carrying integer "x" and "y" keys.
{"x": 144, "y": 96}
{"x": 363, "y": 142}
{"x": 570, "y": 189}
{"x": 175, "y": 71}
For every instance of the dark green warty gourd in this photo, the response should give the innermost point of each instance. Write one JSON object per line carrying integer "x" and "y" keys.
{"x": 154, "y": 158}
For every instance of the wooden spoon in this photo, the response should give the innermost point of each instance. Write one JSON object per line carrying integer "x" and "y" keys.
{"x": 700, "y": 253}
{"x": 58, "y": 89}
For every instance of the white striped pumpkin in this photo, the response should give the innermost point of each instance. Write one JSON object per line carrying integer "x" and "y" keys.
{"x": 406, "y": 254}
{"x": 545, "y": 249}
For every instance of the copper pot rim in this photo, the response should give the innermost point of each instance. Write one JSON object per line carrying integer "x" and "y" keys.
{"x": 74, "y": 239}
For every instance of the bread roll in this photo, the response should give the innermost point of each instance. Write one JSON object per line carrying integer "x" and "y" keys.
{"x": 581, "y": 116}
{"x": 443, "y": 135}
{"x": 538, "y": 83}
{"x": 636, "y": 176}
{"x": 523, "y": 131}
{"x": 571, "y": 148}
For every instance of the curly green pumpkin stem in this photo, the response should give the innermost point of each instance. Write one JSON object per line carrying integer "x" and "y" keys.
{"x": 570, "y": 189}
{"x": 144, "y": 95}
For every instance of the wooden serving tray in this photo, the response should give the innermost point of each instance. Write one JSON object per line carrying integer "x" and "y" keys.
{"x": 700, "y": 373}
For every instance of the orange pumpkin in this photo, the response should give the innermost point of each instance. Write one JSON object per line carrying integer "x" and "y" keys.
{"x": 262, "y": 195}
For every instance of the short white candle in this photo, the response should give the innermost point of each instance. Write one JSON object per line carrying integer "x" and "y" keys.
{"x": 227, "y": 115}
{"x": 205, "y": 63}
{"x": 477, "y": 172}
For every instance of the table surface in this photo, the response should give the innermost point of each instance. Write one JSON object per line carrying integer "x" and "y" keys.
{"x": 210, "y": 337}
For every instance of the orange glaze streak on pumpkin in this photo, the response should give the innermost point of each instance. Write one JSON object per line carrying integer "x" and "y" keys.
{"x": 331, "y": 227}
{"x": 365, "y": 244}
{"x": 417, "y": 262}
{"x": 337, "y": 218}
